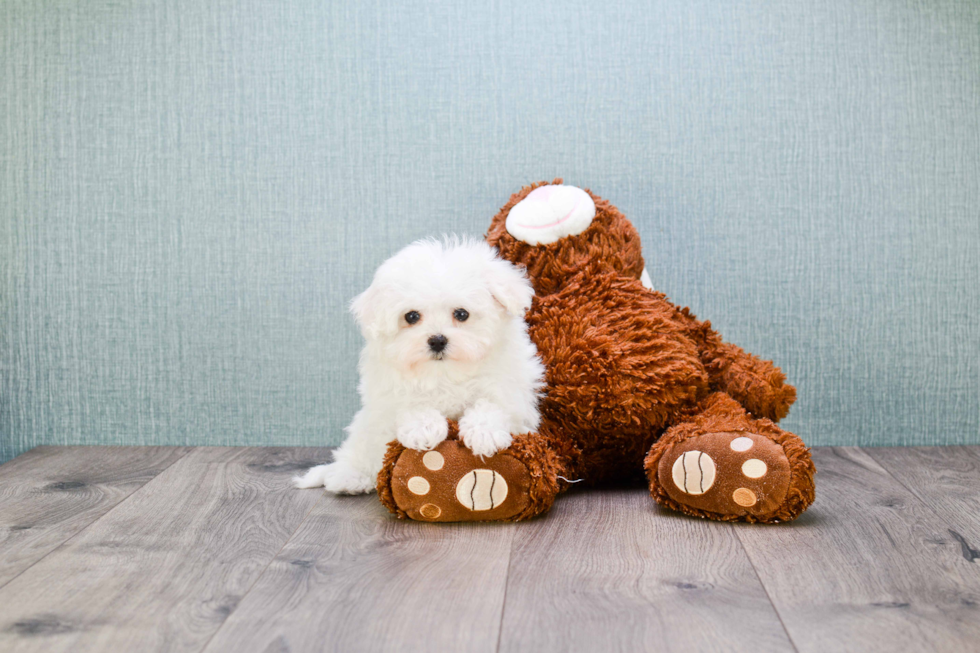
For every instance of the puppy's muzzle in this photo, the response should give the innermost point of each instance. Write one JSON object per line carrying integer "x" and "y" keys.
{"x": 437, "y": 343}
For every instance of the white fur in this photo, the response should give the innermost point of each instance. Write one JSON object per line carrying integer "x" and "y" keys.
{"x": 489, "y": 376}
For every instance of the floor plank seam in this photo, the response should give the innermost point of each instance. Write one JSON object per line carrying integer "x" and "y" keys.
{"x": 881, "y": 464}
{"x": 503, "y": 607}
{"x": 264, "y": 570}
{"x": 97, "y": 519}
{"x": 765, "y": 589}
{"x": 878, "y": 569}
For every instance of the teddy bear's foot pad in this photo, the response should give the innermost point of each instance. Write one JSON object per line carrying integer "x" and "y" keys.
{"x": 737, "y": 474}
{"x": 450, "y": 484}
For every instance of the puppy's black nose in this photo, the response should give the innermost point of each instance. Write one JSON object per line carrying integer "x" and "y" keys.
{"x": 438, "y": 342}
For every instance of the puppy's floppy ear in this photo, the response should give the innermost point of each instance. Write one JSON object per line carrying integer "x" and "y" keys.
{"x": 510, "y": 286}
{"x": 368, "y": 311}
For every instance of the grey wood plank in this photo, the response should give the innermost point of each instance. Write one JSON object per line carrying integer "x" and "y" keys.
{"x": 354, "y": 578}
{"x": 609, "y": 571}
{"x": 49, "y": 494}
{"x": 164, "y": 569}
{"x": 869, "y": 567}
{"x": 947, "y": 479}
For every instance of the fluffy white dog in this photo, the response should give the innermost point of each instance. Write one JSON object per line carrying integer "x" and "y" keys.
{"x": 446, "y": 338}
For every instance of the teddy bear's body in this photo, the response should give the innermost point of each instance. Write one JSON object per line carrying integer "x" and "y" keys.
{"x": 631, "y": 378}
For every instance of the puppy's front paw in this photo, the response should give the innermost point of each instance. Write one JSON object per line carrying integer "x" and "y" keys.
{"x": 338, "y": 478}
{"x": 422, "y": 430}
{"x": 484, "y": 429}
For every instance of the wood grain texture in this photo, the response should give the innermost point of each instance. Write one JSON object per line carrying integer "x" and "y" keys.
{"x": 164, "y": 569}
{"x": 354, "y": 578}
{"x": 609, "y": 571}
{"x": 873, "y": 567}
{"x": 947, "y": 479}
{"x": 217, "y": 552}
{"x": 51, "y": 493}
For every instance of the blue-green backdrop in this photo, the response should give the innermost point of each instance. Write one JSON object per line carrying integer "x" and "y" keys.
{"x": 191, "y": 192}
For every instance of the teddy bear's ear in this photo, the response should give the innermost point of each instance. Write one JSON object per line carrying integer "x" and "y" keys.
{"x": 549, "y": 213}
{"x": 509, "y": 286}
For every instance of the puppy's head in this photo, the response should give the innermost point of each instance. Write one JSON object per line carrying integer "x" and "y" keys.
{"x": 436, "y": 303}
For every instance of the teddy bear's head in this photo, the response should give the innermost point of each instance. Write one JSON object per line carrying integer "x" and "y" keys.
{"x": 555, "y": 230}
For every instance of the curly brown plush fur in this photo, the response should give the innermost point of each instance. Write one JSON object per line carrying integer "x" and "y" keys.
{"x": 612, "y": 241}
{"x": 624, "y": 364}
{"x": 631, "y": 376}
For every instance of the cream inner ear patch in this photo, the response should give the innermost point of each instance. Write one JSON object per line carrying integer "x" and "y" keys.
{"x": 481, "y": 489}
{"x": 418, "y": 485}
{"x": 549, "y": 213}
{"x": 694, "y": 472}
{"x": 433, "y": 460}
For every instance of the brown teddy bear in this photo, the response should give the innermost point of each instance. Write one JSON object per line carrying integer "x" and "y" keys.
{"x": 635, "y": 387}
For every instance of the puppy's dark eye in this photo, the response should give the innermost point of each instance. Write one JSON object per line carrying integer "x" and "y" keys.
{"x": 461, "y": 314}
{"x": 412, "y": 317}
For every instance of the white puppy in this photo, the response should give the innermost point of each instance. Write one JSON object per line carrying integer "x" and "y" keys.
{"x": 446, "y": 338}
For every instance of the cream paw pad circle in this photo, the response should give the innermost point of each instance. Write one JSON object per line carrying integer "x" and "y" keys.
{"x": 449, "y": 483}
{"x": 727, "y": 473}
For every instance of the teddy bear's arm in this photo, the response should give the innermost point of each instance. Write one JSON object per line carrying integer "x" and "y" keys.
{"x": 757, "y": 384}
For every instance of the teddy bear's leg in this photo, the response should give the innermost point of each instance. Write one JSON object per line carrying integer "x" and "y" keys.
{"x": 450, "y": 483}
{"x": 725, "y": 464}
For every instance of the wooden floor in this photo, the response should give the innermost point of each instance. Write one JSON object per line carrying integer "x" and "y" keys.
{"x": 210, "y": 549}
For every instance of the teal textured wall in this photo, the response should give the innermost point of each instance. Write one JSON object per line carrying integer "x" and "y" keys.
{"x": 190, "y": 192}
